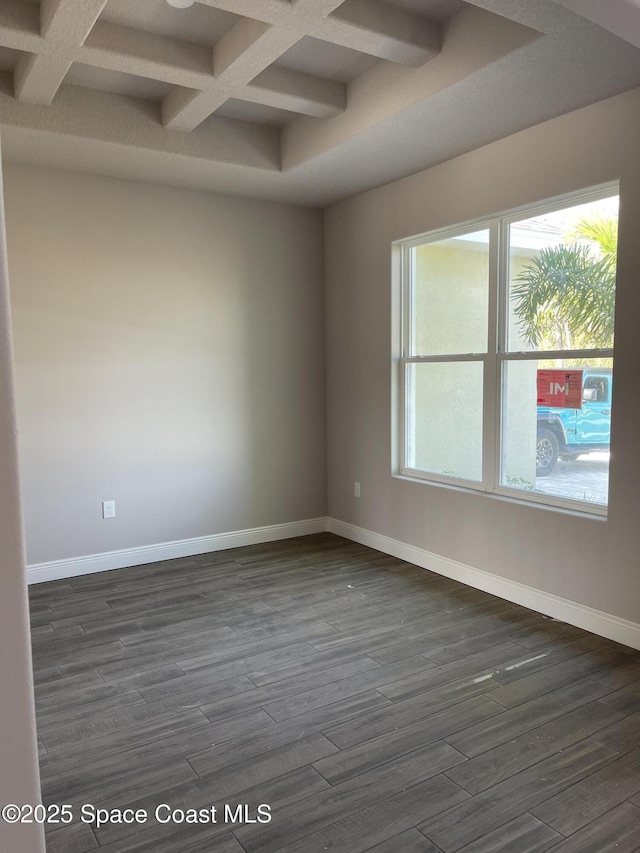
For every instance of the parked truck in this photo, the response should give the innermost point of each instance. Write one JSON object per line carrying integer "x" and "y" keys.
{"x": 568, "y": 433}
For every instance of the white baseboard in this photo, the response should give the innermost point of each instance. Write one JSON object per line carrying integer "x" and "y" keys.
{"x": 58, "y": 569}
{"x": 596, "y": 621}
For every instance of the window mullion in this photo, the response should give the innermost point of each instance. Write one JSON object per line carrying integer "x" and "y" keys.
{"x": 491, "y": 388}
{"x": 502, "y": 324}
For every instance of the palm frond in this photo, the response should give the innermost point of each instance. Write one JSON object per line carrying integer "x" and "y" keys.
{"x": 601, "y": 231}
{"x": 566, "y": 287}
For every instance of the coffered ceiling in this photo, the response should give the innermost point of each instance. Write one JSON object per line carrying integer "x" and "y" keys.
{"x": 300, "y": 100}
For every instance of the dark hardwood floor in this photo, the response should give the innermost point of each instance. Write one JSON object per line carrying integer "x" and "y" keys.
{"x": 372, "y": 705}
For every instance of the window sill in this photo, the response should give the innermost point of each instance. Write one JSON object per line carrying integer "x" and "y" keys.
{"x": 597, "y": 512}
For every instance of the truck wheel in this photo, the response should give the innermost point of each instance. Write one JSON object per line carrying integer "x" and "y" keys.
{"x": 546, "y": 452}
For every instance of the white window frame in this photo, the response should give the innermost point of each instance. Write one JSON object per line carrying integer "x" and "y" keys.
{"x": 494, "y": 361}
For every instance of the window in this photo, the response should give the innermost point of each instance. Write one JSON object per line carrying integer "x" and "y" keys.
{"x": 504, "y": 352}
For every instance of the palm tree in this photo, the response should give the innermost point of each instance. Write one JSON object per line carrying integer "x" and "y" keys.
{"x": 564, "y": 299}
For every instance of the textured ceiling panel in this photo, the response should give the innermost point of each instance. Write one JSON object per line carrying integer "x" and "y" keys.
{"x": 326, "y": 60}
{"x": 198, "y": 24}
{"x": 246, "y": 111}
{"x": 9, "y": 59}
{"x": 117, "y": 82}
{"x": 439, "y": 10}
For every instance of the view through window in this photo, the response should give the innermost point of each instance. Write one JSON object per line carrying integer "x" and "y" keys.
{"x": 506, "y": 364}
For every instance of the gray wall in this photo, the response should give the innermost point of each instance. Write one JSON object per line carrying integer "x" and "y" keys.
{"x": 19, "y": 770}
{"x": 169, "y": 355}
{"x": 589, "y": 561}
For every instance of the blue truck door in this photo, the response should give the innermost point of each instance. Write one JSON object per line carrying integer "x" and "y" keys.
{"x": 594, "y": 422}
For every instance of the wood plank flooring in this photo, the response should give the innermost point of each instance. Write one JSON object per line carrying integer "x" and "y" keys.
{"x": 372, "y": 705}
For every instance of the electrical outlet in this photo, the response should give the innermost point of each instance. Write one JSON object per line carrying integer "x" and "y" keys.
{"x": 356, "y": 489}
{"x": 108, "y": 509}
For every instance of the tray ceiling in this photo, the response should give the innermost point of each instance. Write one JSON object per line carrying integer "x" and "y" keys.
{"x": 277, "y": 97}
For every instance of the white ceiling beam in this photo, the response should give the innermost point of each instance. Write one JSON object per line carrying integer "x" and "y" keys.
{"x": 125, "y": 49}
{"x": 132, "y": 124}
{"x": 69, "y": 21}
{"x": 369, "y": 26}
{"x": 297, "y": 92}
{"x": 382, "y": 30}
{"x": 184, "y": 109}
{"x": 38, "y": 76}
{"x": 240, "y": 66}
{"x": 64, "y": 24}
{"x": 190, "y": 67}
{"x": 247, "y": 50}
